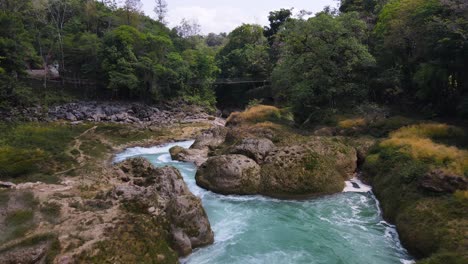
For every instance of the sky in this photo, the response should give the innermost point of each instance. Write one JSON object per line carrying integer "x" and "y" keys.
{"x": 225, "y": 15}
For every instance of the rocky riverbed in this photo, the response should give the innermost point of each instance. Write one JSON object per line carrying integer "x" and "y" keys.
{"x": 115, "y": 112}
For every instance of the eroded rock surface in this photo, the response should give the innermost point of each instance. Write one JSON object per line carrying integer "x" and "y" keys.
{"x": 319, "y": 166}
{"x": 210, "y": 138}
{"x": 442, "y": 182}
{"x": 197, "y": 156}
{"x": 254, "y": 148}
{"x": 163, "y": 192}
{"x": 230, "y": 174}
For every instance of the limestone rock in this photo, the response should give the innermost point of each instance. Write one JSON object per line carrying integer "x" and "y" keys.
{"x": 197, "y": 156}
{"x": 318, "y": 167}
{"x": 254, "y": 148}
{"x": 210, "y": 138}
{"x": 442, "y": 182}
{"x": 164, "y": 190}
{"x": 230, "y": 174}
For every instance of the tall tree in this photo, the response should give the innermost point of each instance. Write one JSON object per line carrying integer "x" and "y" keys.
{"x": 426, "y": 40}
{"x": 322, "y": 64}
{"x": 161, "y": 11}
{"x": 245, "y": 54}
{"x": 131, "y": 8}
{"x": 277, "y": 19}
{"x": 188, "y": 28}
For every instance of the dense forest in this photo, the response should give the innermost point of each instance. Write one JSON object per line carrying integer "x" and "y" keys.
{"x": 410, "y": 53}
{"x": 304, "y": 107}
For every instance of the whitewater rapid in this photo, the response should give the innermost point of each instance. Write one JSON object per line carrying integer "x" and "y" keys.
{"x": 344, "y": 228}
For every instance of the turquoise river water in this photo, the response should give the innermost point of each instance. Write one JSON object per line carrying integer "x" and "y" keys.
{"x": 346, "y": 228}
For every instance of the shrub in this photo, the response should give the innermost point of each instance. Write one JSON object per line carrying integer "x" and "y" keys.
{"x": 431, "y": 131}
{"x": 382, "y": 127}
{"x": 417, "y": 141}
{"x": 350, "y": 123}
{"x": 255, "y": 114}
{"x": 431, "y": 225}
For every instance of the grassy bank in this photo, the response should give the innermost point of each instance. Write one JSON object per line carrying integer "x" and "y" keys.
{"x": 414, "y": 173}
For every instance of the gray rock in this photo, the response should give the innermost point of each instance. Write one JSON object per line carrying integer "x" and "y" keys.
{"x": 229, "y": 174}
{"x": 254, "y": 148}
{"x": 71, "y": 117}
{"x": 210, "y": 138}
{"x": 165, "y": 190}
{"x": 7, "y": 185}
{"x": 197, "y": 156}
{"x": 442, "y": 182}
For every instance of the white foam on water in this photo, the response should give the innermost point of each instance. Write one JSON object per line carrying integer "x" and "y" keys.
{"x": 139, "y": 151}
{"x": 231, "y": 220}
{"x": 356, "y": 185}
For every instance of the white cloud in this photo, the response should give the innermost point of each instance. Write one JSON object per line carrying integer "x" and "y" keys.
{"x": 225, "y": 15}
{"x": 212, "y": 19}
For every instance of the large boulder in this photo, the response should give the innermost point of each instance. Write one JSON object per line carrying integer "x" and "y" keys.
{"x": 197, "y": 156}
{"x": 230, "y": 174}
{"x": 210, "y": 138}
{"x": 317, "y": 167}
{"x": 254, "y": 148}
{"x": 163, "y": 193}
{"x": 440, "y": 181}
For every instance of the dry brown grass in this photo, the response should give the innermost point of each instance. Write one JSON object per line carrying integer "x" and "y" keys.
{"x": 354, "y": 122}
{"x": 417, "y": 141}
{"x": 255, "y": 114}
{"x": 432, "y": 131}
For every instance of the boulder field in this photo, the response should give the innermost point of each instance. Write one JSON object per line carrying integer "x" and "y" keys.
{"x": 249, "y": 164}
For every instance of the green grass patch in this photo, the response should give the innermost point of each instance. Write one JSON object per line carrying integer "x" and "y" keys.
{"x": 94, "y": 148}
{"x": 18, "y": 223}
{"x": 28, "y": 149}
{"x": 19, "y": 217}
{"x": 121, "y": 134}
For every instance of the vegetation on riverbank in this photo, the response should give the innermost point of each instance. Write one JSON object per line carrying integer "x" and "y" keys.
{"x": 76, "y": 199}
{"x": 414, "y": 175}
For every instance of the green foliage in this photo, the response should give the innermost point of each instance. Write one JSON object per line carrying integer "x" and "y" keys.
{"x": 429, "y": 224}
{"x": 277, "y": 20}
{"x": 322, "y": 64}
{"x": 34, "y": 148}
{"x": 245, "y": 54}
{"x": 103, "y": 47}
{"x": 426, "y": 41}
{"x": 19, "y": 217}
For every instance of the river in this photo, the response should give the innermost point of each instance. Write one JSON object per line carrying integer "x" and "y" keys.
{"x": 345, "y": 228}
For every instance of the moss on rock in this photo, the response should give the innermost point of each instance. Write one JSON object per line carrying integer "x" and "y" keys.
{"x": 136, "y": 239}
{"x": 432, "y": 224}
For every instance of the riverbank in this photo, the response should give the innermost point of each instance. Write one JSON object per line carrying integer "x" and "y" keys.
{"x": 256, "y": 229}
{"x": 418, "y": 168}
{"x": 60, "y": 202}
{"x": 56, "y": 194}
